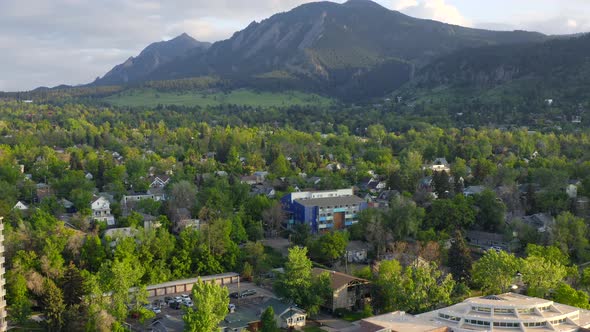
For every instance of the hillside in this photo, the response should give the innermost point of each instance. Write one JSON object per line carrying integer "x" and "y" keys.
{"x": 358, "y": 49}
{"x": 554, "y": 69}
{"x": 151, "y": 58}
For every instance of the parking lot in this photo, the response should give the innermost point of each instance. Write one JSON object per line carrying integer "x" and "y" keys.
{"x": 173, "y": 317}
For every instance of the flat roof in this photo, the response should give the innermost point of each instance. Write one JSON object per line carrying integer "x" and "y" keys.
{"x": 330, "y": 201}
{"x": 192, "y": 280}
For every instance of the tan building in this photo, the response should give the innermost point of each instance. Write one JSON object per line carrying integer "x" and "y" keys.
{"x": 348, "y": 292}
{"x": 505, "y": 312}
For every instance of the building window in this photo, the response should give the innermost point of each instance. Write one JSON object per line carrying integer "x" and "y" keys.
{"x": 481, "y": 309}
{"x": 506, "y": 324}
{"x": 526, "y": 311}
{"x": 503, "y": 311}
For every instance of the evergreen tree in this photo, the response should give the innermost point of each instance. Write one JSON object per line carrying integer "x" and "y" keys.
{"x": 268, "y": 321}
{"x": 442, "y": 184}
{"x": 54, "y": 306}
{"x": 72, "y": 285}
{"x": 460, "y": 258}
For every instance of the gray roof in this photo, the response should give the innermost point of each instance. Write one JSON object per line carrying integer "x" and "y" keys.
{"x": 280, "y": 307}
{"x": 330, "y": 201}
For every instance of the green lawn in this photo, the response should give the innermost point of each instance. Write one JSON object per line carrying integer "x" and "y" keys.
{"x": 150, "y": 97}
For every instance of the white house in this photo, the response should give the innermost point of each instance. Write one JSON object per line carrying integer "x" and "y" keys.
{"x": 89, "y": 176}
{"x": 20, "y": 206}
{"x": 287, "y": 315}
{"x": 101, "y": 210}
{"x": 440, "y": 165}
{"x": 159, "y": 181}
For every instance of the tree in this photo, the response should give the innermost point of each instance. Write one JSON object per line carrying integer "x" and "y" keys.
{"x": 448, "y": 214}
{"x": 299, "y": 285}
{"x": 280, "y": 166}
{"x": 301, "y": 235}
{"x": 490, "y": 214}
{"x": 415, "y": 289}
{"x": 541, "y": 275}
{"x": 495, "y": 271}
{"x": 460, "y": 258}
{"x": 570, "y": 235}
{"x": 93, "y": 253}
{"x": 72, "y": 285}
{"x": 425, "y": 288}
{"x": 53, "y": 306}
{"x": 442, "y": 184}
{"x": 550, "y": 253}
{"x": 330, "y": 246}
{"x": 18, "y": 299}
{"x": 182, "y": 195}
{"x": 210, "y": 307}
{"x": 387, "y": 281}
{"x": 119, "y": 276}
{"x": 268, "y": 321}
{"x": 273, "y": 218}
{"x": 297, "y": 277}
{"x": 565, "y": 294}
{"x": 404, "y": 218}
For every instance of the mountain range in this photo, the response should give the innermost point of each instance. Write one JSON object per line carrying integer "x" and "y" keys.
{"x": 354, "y": 51}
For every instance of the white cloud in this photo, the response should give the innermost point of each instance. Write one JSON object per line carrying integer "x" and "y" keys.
{"x": 437, "y": 10}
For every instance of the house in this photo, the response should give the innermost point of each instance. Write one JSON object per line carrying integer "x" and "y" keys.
{"x": 246, "y": 317}
{"x": 159, "y": 181}
{"x": 101, "y": 210}
{"x": 67, "y": 205}
{"x": 43, "y": 190}
{"x": 260, "y": 176}
{"x": 348, "y": 292}
{"x": 128, "y": 202}
{"x": 287, "y": 315}
{"x": 315, "y": 180}
{"x": 571, "y": 190}
{"x": 20, "y": 206}
{"x": 376, "y": 185}
{"x": 89, "y": 176}
{"x": 356, "y": 252}
{"x": 384, "y": 198}
{"x": 440, "y": 165}
{"x": 116, "y": 234}
{"x": 267, "y": 191}
{"x": 249, "y": 179}
{"x": 542, "y": 222}
{"x": 323, "y": 210}
{"x": 504, "y": 312}
{"x": 473, "y": 190}
{"x": 486, "y": 239}
{"x": 426, "y": 183}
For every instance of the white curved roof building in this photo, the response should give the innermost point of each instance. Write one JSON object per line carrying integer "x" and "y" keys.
{"x": 505, "y": 312}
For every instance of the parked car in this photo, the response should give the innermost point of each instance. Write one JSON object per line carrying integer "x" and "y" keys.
{"x": 234, "y": 295}
{"x": 248, "y": 292}
{"x": 188, "y": 303}
{"x": 169, "y": 300}
{"x": 185, "y": 297}
{"x": 175, "y": 305}
{"x": 156, "y": 309}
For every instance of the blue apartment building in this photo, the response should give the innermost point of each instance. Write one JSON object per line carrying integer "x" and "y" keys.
{"x": 323, "y": 211}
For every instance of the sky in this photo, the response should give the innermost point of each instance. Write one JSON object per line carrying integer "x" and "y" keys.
{"x": 52, "y": 42}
